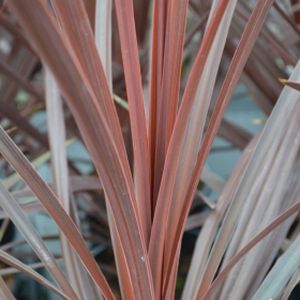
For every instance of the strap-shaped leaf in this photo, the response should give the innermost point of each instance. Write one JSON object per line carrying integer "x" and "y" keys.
{"x": 14, "y": 212}
{"x": 13, "y": 262}
{"x": 91, "y": 106}
{"x": 12, "y": 153}
{"x": 280, "y": 274}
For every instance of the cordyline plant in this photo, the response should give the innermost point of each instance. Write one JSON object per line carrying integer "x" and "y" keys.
{"x": 177, "y": 64}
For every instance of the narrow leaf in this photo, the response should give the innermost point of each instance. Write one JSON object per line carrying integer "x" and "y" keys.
{"x": 158, "y": 232}
{"x": 13, "y": 262}
{"x": 5, "y": 293}
{"x": 279, "y": 275}
{"x": 10, "y": 151}
{"x": 15, "y": 213}
{"x": 97, "y": 120}
{"x": 136, "y": 107}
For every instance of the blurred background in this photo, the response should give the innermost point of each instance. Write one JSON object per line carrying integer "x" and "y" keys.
{"x": 23, "y": 115}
